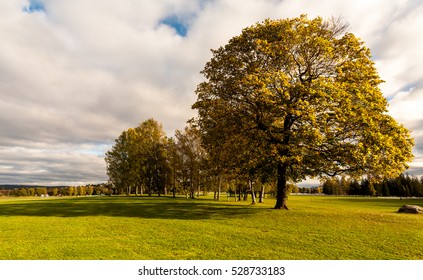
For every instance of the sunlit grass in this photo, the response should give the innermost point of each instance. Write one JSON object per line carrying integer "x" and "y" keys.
{"x": 167, "y": 228}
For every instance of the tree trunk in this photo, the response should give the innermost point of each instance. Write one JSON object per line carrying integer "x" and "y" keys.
{"x": 199, "y": 184}
{"x": 149, "y": 185}
{"x": 261, "y": 198}
{"x": 192, "y": 188}
{"x": 281, "y": 197}
{"x": 253, "y": 195}
{"x": 218, "y": 188}
{"x": 239, "y": 192}
{"x": 174, "y": 181}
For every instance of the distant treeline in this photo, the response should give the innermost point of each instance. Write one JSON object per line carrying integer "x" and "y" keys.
{"x": 402, "y": 186}
{"x": 97, "y": 189}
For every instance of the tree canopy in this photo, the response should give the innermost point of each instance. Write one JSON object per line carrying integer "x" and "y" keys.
{"x": 301, "y": 98}
{"x": 138, "y": 158}
{"x": 144, "y": 160}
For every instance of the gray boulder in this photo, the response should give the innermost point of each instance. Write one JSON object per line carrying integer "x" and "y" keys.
{"x": 411, "y": 209}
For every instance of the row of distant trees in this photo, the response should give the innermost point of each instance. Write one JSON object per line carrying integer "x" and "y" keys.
{"x": 99, "y": 189}
{"x": 403, "y": 186}
{"x": 144, "y": 161}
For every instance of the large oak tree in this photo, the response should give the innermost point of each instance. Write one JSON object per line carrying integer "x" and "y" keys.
{"x": 303, "y": 94}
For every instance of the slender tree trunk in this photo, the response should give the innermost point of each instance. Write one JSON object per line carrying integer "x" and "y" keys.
{"x": 199, "y": 184}
{"x": 281, "y": 196}
{"x": 174, "y": 181}
{"x": 253, "y": 195}
{"x": 192, "y": 189}
{"x": 157, "y": 185}
{"x": 218, "y": 188}
{"x": 239, "y": 192}
{"x": 164, "y": 187}
{"x": 261, "y": 198}
{"x": 149, "y": 186}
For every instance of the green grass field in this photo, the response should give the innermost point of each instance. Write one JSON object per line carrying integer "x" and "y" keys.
{"x": 128, "y": 228}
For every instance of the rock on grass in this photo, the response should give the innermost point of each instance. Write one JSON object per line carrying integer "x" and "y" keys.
{"x": 411, "y": 209}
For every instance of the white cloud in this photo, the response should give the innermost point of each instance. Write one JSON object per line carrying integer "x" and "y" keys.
{"x": 73, "y": 76}
{"x": 33, "y": 165}
{"x": 399, "y": 50}
{"x": 406, "y": 107}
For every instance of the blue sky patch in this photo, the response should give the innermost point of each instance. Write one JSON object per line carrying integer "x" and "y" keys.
{"x": 34, "y": 6}
{"x": 176, "y": 23}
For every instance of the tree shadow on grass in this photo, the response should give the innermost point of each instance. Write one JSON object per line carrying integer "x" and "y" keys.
{"x": 138, "y": 207}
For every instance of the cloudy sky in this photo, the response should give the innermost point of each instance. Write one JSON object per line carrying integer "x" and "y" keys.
{"x": 75, "y": 73}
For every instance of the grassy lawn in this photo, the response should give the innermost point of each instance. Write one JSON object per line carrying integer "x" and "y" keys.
{"x": 128, "y": 228}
